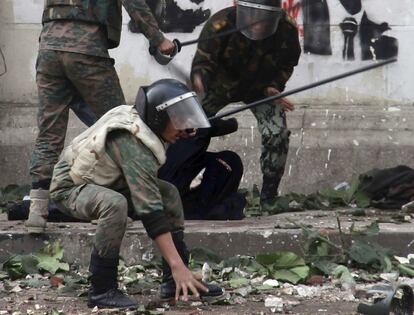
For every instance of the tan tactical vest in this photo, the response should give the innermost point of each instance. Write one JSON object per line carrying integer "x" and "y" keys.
{"x": 105, "y": 12}
{"x": 87, "y": 156}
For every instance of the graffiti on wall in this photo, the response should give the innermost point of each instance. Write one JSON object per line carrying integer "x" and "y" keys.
{"x": 171, "y": 17}
{"x": 184, "y": 15}
{"x": 317, "y": 34}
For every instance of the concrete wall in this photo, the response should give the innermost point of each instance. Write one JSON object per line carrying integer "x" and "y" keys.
{"x": 339, "y": 130}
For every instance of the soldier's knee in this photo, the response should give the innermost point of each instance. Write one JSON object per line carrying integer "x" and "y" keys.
{"x": 174, "y": 193}
{"x": 115, "y": 208}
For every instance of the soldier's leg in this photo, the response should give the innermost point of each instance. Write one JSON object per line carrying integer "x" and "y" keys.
{"x": 272, "y": 126}
{"x": 55, "y": 94}
{"x": 96, "y": 81}
{"x": 110, "y": 208}
{"x": 174, "y": 211}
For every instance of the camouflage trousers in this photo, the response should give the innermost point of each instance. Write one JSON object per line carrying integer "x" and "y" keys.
{"x": 271, "y": 121}
{"x": 93, "y": 202}
{"x": 64, "y": 78}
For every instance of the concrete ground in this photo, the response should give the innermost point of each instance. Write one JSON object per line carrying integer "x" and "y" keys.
{"x": 45, "y": 301}
{"x": 247, "y": 237}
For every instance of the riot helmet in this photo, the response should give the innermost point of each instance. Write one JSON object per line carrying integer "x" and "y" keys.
{"x": 258, "y": 19}
{"x": 170, "y": 100}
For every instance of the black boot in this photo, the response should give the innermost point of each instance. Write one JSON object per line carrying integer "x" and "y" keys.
{"x": 270, "y": 187}
{"x": 104, "y": 291}
{"x": 167, "y": 289}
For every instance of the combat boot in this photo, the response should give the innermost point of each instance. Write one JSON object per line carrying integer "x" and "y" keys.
{"x": 37, "y": 220}
{"x": 104, "y": 292}
{"x": 167, "y": 288}
{"x": 269, "y": 193}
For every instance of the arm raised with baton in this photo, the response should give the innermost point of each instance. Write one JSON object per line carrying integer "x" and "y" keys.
{"x": 281, "y": 96}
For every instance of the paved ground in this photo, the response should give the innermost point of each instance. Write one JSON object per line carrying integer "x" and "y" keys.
{"x": 47, "y": 300}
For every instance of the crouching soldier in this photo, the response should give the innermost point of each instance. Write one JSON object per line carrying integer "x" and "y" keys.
{"x": 114, "y": 163}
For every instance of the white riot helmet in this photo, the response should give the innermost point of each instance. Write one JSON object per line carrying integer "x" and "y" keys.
{"x": 258, "y": 19}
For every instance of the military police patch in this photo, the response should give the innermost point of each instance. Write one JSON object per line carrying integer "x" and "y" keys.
{"x": 219, "y": 24}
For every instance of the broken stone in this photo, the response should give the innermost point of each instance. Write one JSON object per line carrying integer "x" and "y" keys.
{"x": 16, "y": 289}
{"x": 292, "y": 303}
{"x": 271, "y": 283}
{"x": 239, "y": 300}
{"x": 206, "y": 272}
{"x": 244, "y": 291}
{"x": 257, "y": 280}
{"x": 390, "y": 277}
{"x": 287, "y": 289}
{"x": 305, "y": 291}
{"x": 274, "y": 303}
{"x": 196, "y": 303}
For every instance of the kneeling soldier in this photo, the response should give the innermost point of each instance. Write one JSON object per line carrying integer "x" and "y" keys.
{"x": 114, "y": 163}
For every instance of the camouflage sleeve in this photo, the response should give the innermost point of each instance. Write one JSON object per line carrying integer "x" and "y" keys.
{"x": 139, "y": 168}
{"x": 289, "y": 60}
{"x": 205, "y": 61}
{"x": 139, "y": 11}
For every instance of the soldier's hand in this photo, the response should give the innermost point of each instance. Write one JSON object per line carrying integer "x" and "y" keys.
{"x": 284, "y": 102}
{"x": 185, "y": 281}
{"x": 166, "y": 47}
{"x": 198, "y": 85}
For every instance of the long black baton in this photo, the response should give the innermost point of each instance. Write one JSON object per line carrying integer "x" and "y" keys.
{"x": 303, "y": 88}
{"x": 166, "y": 59}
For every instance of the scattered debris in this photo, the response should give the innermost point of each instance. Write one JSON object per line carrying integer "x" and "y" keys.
{"x": 274, "y": 303}
{"x": 12, "y": 194}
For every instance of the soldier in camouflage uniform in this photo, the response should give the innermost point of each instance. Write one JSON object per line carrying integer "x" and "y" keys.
{"x": 74, "y": 65}
{"x": 113, "y": 165}
{"x": 246, "y": 66}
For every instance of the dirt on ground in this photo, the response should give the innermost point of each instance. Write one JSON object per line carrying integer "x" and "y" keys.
{"x": 48, "y": 300}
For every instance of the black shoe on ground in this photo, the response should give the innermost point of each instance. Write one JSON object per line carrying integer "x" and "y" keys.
{"x": 114, "y": 298}
{"x": 167, "y": 290}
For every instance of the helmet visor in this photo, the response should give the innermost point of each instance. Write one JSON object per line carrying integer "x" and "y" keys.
{"x": 257, "y": 21}
{"x": 185, "y": 112}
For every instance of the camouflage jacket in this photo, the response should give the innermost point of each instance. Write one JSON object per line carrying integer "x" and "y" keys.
{"x": 246, "y": 66}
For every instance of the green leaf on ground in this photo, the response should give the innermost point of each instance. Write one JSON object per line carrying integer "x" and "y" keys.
{"x": 49, "y": 258}
{"x": 406, "y": 270}
{"x": 285, "y": 266}
{"x": 371, "y": 255}
{"x": 21, "y": 265}
{"x": 246, "y": 263}
{"x": 344, "y": 275}
{"x": 280, "y": 260}
{"x": 325, "y": 266}
{"x": 238, "y": 282}
{"x": 286, "y": 275}
{"x": 51, "y": 264}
